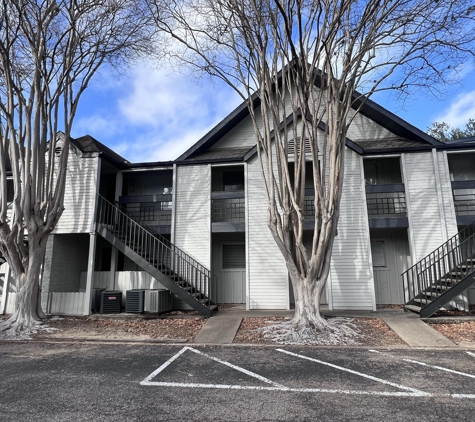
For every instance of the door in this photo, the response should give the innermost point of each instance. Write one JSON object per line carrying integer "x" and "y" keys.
{"x": 232, "y": 280}
{"x": 391, "y": 257}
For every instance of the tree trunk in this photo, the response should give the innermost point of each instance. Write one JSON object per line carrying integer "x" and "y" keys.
{"x": 307, "y": 304}
{"x": 27, "y": 317}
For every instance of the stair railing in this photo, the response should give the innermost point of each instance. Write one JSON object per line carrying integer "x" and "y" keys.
{"x": 156, "y": 249}
{"x": 443, "y": 267}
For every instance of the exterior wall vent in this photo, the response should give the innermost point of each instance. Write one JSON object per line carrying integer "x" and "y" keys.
{"x": 291, "y": 146}
{"x": 58, "y": 150}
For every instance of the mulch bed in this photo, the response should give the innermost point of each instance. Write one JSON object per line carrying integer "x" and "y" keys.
{"x": 374, "y": 331}
{"x": 136, "y": 329}
{"x": 458, "y": 332}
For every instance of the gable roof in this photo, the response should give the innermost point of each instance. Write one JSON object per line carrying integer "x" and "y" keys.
{"x": 88, "y": 144}
{"x": 370, "y": 109}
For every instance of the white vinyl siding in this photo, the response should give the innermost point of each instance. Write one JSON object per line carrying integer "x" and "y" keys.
{"x": 447, "y": 198}
{"x": 364, "y": 129}
{"x": 351, "y": 275}
{"x": 269, "y": 286}
{"x": 421, "y": 193}
{"x": 241, "y": 136}
{"x": 79, "y": 195}
{"x": 193, "y": 212}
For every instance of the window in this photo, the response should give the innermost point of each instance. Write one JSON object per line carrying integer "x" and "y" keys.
{"x": 378, "y": 253}
{"x": 234, "y": 256}
{"x": 233, "y": 181}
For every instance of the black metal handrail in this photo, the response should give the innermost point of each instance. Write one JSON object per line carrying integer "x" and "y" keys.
{"x": 156, "y": 249}
{"x": 443, "y": 267}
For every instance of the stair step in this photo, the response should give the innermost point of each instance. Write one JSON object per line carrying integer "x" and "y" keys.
{"x": 431, "y": 293}
{"x": 441, "y": 287}
{"x": 423, "y": 301}
{"x": 414, "y": 308}
{"x": 446, "y": 281}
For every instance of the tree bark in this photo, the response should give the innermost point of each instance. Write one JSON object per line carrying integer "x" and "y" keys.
{"x": 28, "y": 314}
{"x": 307, "y": 303}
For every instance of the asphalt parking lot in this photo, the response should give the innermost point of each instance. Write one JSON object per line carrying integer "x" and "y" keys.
{"x": 133, "y": 382}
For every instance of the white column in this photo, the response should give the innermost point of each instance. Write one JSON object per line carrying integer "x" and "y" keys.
{"x": 90, "y": 273}
{"x": 92, "y": 246}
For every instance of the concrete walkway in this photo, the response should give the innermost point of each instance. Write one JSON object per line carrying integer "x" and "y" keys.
{"x": 224, "y": 325}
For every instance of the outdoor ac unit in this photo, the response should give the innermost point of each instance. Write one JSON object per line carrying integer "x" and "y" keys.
{"x": 134, "y": 300}
{"x": 111, "y": 301}
{"x": 158, "y": 301}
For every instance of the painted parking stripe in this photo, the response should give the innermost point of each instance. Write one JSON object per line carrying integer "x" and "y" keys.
{"x": 281, "y": 388}
{"x": 162, "y": 367}
{"x": 351, "y": 371}
{"x": 237, "y": 368}
{"x": 148, "y": 379}
{"x": 440, "y": 368}
{"x": 287, "y": 389}
{"x": 471, "y": 354}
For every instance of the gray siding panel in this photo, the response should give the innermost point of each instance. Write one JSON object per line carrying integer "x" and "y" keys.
{"x": 193, "y": 212}
{"x": 351, "y": 276}
{"x": 79, "y": 195}
{"x": 269, "y": 288}
{"x": 447, "y": 198}
{"x": 421, "y": 193}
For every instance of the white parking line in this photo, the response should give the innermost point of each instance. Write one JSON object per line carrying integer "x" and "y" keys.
{"x": 440, "y": 368}
{"x": 471, "y": 354}
{"x": 402, "y": 387}
{"x": 287, "y": 389}
{"x": 410, "y": 392}
{"x": 147, "y": 380}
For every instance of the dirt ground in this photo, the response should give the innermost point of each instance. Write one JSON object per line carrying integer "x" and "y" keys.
{"x": 374, "y": 332}
{"x": 184, "y": 328}
{"x": 177, "y": 329}
{"x": 460, "y": 333}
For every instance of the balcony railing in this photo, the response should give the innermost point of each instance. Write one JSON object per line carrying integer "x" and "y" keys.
{"x": 464, "y": 197}
{"x": 158, "y": 213}
{"x": 386, "y": 201}
{"x": 151, "y": 210}
{"x": 229, "y": 210}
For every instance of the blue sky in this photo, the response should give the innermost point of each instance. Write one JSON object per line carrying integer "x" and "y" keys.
{"x": 154, "y": 114}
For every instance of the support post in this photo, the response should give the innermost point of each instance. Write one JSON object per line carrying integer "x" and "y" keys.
{"x": 90, "y": 274}
{"x": 119, "y": 178}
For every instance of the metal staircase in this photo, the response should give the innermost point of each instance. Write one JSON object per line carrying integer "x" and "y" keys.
{"x": 173, "y": 268}
{"x": 442, "y": 275}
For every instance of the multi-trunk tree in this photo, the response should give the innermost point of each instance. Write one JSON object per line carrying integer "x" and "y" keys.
{"x": 49, "y": 51}
{"x": 312, "y": 65}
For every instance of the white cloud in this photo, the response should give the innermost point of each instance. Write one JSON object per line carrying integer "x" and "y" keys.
{"x": 153, "y": 115}
{"x": 459, "y": 111}
{"x": 170, "y": 112}
{"x": 96, "y": 125}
